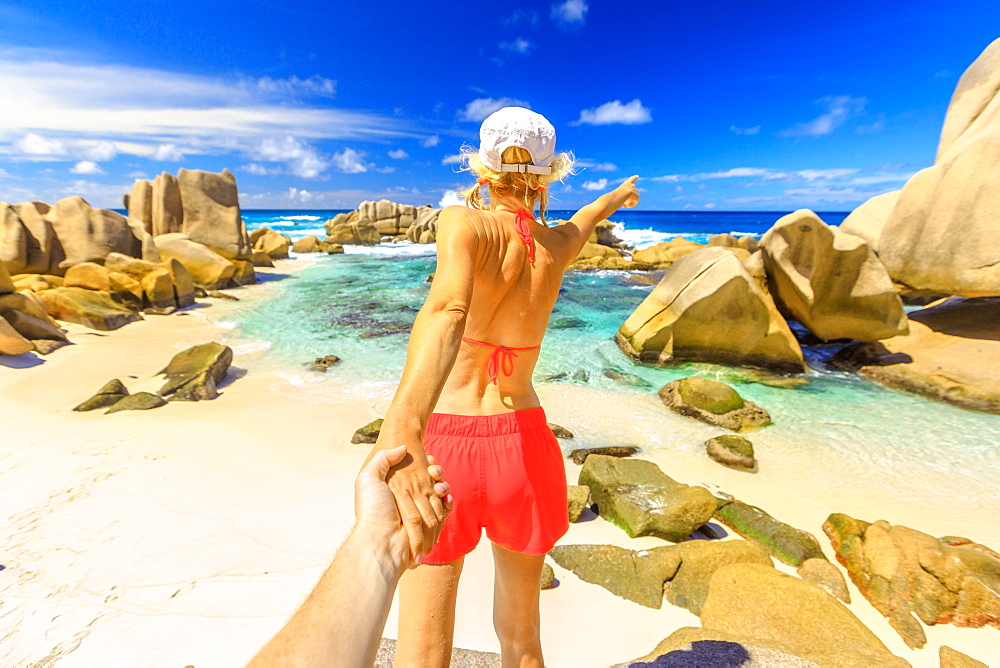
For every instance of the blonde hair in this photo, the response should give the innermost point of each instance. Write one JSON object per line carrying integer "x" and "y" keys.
{"x": 521, "y": 185}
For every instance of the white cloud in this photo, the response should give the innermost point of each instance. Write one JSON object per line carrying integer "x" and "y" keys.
{"x": 745, "y": 131}
{"x": 256, "y": 169}
{"x": 301, "y": 159}
{"x": 35, "y": 144}
{"x": 596, "y": 166}
{"x": 398, "y": 154}
{"x": 840, "y": 109}
{"x": 350, "y": 161}
{"x": 293, "y": 85}
{"x": 453, "y": 159}
{"x": 609, "y": 113}
{"x": 570, "y": 14}
{"x": 167, "y": 153}
{"x": 86, "y": 167}
{"x": 297, "y": 195}
{"x": 477, "y": 110}
{"x": 430, "y": 142}
{"x": 451, "y": 198}
{"x": 521, "y": 16}
{"x": 136, "y": 175}
{"x": 67, "y": 107}
{"x": 519, "y": 45}
{"x": 599, "y": 184}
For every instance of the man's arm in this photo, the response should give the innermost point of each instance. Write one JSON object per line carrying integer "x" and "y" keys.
{"x": 434, "y": 342}
{"x": 341, "y": 622}
{"x": 583, "y": 223}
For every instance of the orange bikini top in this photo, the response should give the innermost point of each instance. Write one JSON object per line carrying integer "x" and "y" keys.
{"x": 502, "y": 359}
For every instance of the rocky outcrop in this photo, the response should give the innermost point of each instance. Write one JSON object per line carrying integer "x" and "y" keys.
{"x": 6, "y": 284}
{"x": 941, "y": 234}
{"x": 948, "y": 355}
{"x": 751, "y": 606}
{"x": 208, "y": 269}
{"x": 577, "y": 498}
{"x": 665, "y": 253}
{"x": 423, "y": 230}
{"x": 732, "y": 451}
{"x": 194, "y": 374}
{"x": 634, "y": 576}
{"x": 559, "y": 431}
{"x": 11, "y": 341}
{"x": 604, "y": 234}
{"x": 27, "y": 326}
{"x": 87, "y": 307}
{"x": 830, "y": 281}
{"x": 826, "y": 575}
{"x": 313, "y": 244}
{"x": 909, "y": 575}
{"x": 952, "y": 658}
{"x": 389, "y": 218}
{"x": 868, "y": 219}
{"x": 790, "y": 545}
{"x": 714, "y": 403}
{"x": 709, "y": 308}
{"x": 140, "y": 401}
{"x": 636, "y": 496}
{"x": 592, "y": 250}
{"x": 274, "y": 244}
{"x": 347, "y": 228}
{"x": 699, "y": 560}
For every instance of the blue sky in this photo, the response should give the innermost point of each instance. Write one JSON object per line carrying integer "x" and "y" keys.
{"x": 724, "y": 105}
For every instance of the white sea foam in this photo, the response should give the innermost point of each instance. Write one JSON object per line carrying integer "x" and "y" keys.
{"x": 302, "y": 218}
{"x": 640, "y": 239}
{"x": 397, "y": 248}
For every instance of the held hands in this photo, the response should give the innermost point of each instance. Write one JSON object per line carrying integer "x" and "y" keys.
{"x": 629, "y": 192}
{"x": 421, "y": 506}
{"x": 376, "y": 508}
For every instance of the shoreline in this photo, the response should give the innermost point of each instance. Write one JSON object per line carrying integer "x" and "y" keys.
{"x": 217, "y": 517}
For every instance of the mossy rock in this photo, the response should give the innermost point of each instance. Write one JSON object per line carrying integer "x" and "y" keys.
{"x": 636, "y": 576}
{"x": 709, "y": 395}
{"x": 140, "y": 401}
{"x": 369, "y": 433}
{"x": 87, "y": 307}
{"x": 790, "y": 545}
{"x": 111, "y": 393}
{"x": 579, "y": 456}
{"x": 732, "y": 450}
{"x": 194, "y": 374}
{"x": 560, "y": 432}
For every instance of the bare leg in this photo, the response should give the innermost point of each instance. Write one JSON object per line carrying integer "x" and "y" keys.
{"x": 427, "y": 615}
{"x": 515, "y": 607}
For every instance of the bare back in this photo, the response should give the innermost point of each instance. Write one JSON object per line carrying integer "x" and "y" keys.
{"x": 511, "y": 302}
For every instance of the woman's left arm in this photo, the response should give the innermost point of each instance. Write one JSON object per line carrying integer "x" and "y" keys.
{"x": 434, "y": 342}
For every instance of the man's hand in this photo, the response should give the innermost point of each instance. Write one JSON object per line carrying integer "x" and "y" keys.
{"x": 630, "y": 192}
{"x": 375, "y": 507}
{"x": 420, "y": 507}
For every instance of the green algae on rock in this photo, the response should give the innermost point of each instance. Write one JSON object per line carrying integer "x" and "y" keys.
{"x": 194, "y": 374}
{"x": 790, "y": 545}
{"x": 733, "y": 451}
{"x": 579, "y": 456}
{"x": 714, "y": 403}
{"x": 636, "y": 576}
{"x": 86, "y": 307}
{"x": 369, "y": 433}
{"x": 636, "y": 496}
{"x": 111, "y": 393}
{"x": 140, "y": 401}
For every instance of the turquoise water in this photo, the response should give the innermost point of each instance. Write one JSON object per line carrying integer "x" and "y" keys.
{"x": 361, "y": 305}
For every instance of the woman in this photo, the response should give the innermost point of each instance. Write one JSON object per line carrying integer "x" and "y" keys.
{"x": 471, "y": 355}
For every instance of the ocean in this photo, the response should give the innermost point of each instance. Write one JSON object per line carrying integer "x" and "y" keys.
{"x": 360, "y": 306}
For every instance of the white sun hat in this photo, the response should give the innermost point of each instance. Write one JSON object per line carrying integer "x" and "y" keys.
{"x": 517, "y": 126}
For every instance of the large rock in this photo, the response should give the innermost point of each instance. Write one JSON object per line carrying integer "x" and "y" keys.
{"x": 759, "y": 606}
{"x": 111, "y": 393}
{"x": 140, "y": 401}
{"x": 88, "y": 275}
{"x": 636, "y": 576}
{"x": 732, "y": 450}
{"x": 6, "y": 284}
{"x": 639, "y": 498}
{"x": 709, "y": 308}
{"x": 167, "y": 210}
{"x": 13, "y": 241}
{"x": 700, "y": 559}
{"x": 87, "y": 234}
{"x": 349, "y": 229}
{"x": 591, "y": 250}
{"x": 952, "y": 658}
{"x": 273, "y": 243}
{"x": 182, "y": 282}
{"x": 11, "y": 341}
{"x": 790, "y": 545}
{"x": 949, "y": 354}
{"x": 310, "y": 244}
{"x": 139, "y": 204}
{"x": 697, "y": 648}
{"x": 941, "y": 235}
{"x": 604, "y": 234}
{"x": 28, "y": 243}
{"x": 826, "y": 575}
{"x": 86, "y": 307}
{"x": 158, "y": 292}
{"x": 665, "y": 253}
{"x": 208, "y": 269}
{"x": 212, "y": 212}
{"x": 907, "y": 574}
{"x": 867, "y": 220}
{"x": 33, "y": 327}
{"x": 423, "y": 230}
{"x": 194, "y": 374}
{"x": 714, "y": 403}
{"x": 830, "y": 281}
{"x": 388, "y": 218}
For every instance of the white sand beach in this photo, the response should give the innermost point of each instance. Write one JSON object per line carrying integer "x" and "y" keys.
{"x": 187, "y": 535}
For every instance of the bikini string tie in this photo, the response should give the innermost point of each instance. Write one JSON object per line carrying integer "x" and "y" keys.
{"x": 523, "y": 229}
{"x": 501, "y": 360}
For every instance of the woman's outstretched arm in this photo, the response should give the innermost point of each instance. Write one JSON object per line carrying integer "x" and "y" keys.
{"x": 434, "y": 342}
{"x": 584, "y": 222}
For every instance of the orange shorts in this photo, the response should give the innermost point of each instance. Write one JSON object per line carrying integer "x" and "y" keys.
{"x": 506, "y": 474}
